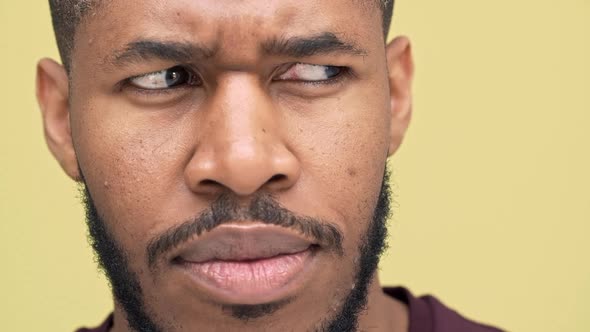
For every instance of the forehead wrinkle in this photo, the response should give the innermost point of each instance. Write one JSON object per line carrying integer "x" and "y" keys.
{"x": 232, "y": 47}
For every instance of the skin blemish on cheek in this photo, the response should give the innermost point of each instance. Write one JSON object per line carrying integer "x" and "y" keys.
{"x": 351, "y": 172}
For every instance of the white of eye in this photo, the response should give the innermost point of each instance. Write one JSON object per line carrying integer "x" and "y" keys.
{"x": 163, "y": 79}
{"x": 311, "y": 73}
{"x": 151, "y": 81}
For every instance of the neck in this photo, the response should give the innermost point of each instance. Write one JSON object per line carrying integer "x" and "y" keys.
{"x": 384, "y": 313}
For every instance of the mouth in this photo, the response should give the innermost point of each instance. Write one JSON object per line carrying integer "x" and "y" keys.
{"x": 248, "y": 263}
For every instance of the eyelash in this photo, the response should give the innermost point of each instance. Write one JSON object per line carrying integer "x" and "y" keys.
{"x": 127, "y": 83}
{"x": 346, "y": 72}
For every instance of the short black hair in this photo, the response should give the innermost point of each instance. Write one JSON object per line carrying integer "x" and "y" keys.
{"x": 67, "y": 15}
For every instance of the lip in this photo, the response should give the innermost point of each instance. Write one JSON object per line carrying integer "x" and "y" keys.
{"x": 247, "y": 263}
{"x": 239, "y": 242}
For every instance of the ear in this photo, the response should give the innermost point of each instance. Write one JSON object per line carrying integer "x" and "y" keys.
{"x": 400, "y": 66}
{"x": 52, "y": 95}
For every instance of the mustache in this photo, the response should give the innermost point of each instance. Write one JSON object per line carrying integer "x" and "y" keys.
{"x": 263, "y": 208}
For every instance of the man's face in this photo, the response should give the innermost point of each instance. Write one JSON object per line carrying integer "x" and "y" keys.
{"x": 196, "y": 124}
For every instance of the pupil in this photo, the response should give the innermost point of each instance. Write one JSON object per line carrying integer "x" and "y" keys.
{"x": 332, "y": 71}
{"x": 176, "y": 76}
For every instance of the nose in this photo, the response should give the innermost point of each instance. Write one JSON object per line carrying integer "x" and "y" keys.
{"x": 241, "y": 145}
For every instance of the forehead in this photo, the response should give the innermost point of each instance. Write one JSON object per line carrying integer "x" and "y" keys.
{"x": 225, "y": 23}
{"x": 228, "y": 9}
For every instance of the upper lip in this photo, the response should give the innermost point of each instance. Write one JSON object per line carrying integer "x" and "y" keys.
{"x": 242, "y": 242}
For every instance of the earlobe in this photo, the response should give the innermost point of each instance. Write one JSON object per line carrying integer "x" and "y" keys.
{"x": 52, "y": 94}
{"x": 400, "y": 67}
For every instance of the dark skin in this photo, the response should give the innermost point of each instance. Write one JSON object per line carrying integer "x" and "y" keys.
{"x": 243, "y": 124}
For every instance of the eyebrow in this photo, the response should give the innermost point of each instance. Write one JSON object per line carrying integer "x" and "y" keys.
{"x": 144, "y": 50}
{"x": 301, "y": 47}
{"x": 183, "y": 52}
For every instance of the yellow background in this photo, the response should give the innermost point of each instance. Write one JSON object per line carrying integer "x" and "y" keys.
{"x": 492, "y": 184}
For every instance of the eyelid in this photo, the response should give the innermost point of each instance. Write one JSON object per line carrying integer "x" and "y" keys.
{"x": 194, "y": 80}
{"x": 344, "y": 74}
{"x": 311, "y": 69}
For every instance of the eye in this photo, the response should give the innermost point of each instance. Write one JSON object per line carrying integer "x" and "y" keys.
{"x": 165, "y": 79}
{"x": 311, "y": 73}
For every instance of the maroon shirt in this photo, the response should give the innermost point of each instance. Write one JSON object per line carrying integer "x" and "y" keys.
{"x": 427, "y": 314}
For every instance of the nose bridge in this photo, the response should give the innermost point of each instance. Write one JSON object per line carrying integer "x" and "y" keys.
{"x": 245, "y": 115}
{"x": 241, "y": 148}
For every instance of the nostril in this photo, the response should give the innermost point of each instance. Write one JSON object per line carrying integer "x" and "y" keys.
{"x": 277, "y": 178}
{"x": 210, "y": 183}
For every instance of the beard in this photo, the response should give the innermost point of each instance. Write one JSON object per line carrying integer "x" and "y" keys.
{"x": 128, "y": 293}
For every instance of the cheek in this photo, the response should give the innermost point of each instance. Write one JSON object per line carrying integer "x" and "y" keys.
{"x": 130, "y": 161}
{"x": 343, "y": 149}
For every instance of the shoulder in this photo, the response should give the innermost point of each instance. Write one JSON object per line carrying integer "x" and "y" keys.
{"x": 428, "y": 314}
{"x": 104, "y": 327}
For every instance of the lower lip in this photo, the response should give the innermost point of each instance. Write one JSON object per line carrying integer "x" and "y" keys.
{"x": 252, "y": 282}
